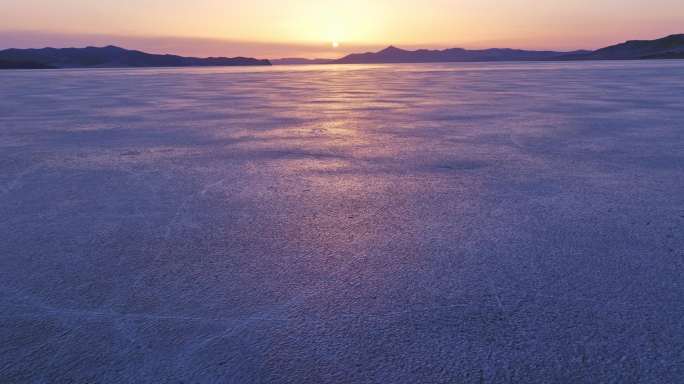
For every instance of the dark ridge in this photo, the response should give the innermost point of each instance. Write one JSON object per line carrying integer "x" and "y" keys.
{"x": 670, "y": 47}
{"x": 111, "y": 56}
{"x": 393, "y": 54}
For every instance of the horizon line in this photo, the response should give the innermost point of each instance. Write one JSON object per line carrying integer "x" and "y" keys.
{"x": 164, "y": 45}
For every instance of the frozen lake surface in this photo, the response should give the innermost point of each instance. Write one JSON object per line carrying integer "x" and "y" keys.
{"x": 447, "y": 223}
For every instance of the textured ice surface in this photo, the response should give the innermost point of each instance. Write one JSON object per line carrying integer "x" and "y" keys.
{"x": 361, "y": 224}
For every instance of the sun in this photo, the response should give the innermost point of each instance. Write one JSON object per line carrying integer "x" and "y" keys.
{"x": 335, "y": 44}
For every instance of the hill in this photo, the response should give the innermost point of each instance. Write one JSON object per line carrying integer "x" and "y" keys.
{"x": 111, "y": 56}
{"x": 396, "y": 55}
{"x": 670, "y": 47}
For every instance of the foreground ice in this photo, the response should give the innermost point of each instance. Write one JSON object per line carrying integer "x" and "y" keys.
{"x": 387, "y": 224}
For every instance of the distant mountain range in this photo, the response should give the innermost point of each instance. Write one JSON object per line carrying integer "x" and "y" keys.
{"x": 110, "y": 56}
{"x": 396, "y": 55}
{"x": 671, "y": 47}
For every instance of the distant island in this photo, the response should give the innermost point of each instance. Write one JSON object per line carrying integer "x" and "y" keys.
{"x": 108, "y": 57}
{"x": 670, "y": 47}
{"x": 300, "y": 61}
{"x": 396, "y": 55}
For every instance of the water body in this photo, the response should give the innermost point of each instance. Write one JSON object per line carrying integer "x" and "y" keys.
{"x": 433, "y": 223}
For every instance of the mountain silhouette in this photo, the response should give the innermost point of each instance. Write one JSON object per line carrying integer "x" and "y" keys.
{"x": 111, "y": 56}
{"x": 670, "y": 47}
{"x": 393, "y": 54}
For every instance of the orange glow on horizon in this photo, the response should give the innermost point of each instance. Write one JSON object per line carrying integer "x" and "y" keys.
{"x": 529, "y": 24}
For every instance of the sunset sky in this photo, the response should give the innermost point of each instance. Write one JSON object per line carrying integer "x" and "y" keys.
{"x": 272, "y": 28}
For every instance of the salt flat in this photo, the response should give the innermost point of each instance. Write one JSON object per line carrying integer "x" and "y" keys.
{"x": 447, "y": 223}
